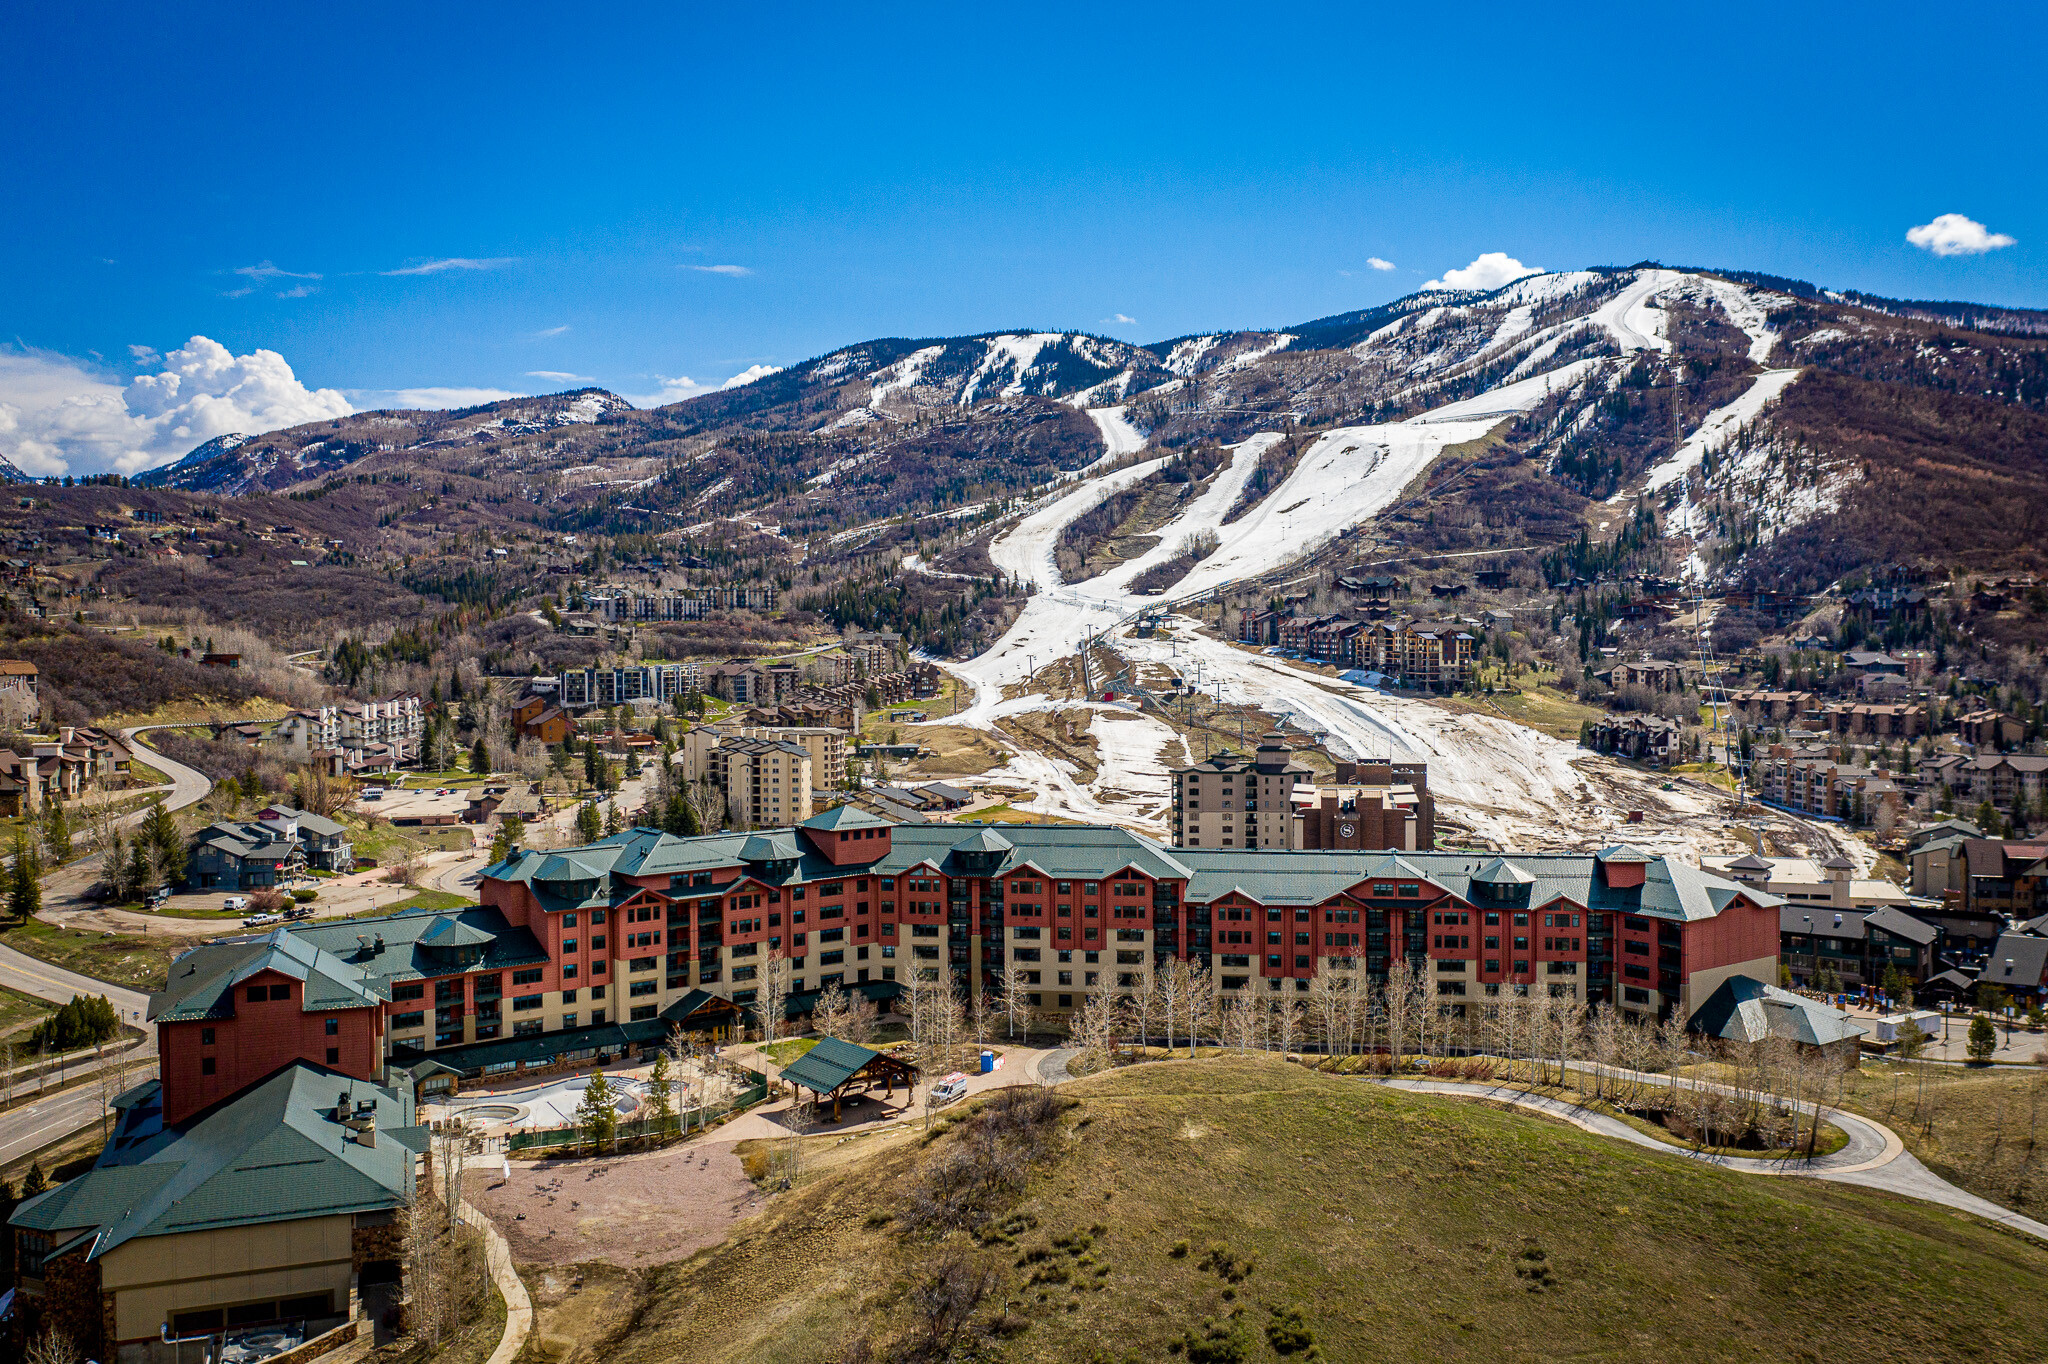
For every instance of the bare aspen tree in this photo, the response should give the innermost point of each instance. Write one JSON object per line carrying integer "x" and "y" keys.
{"x": 1015, "y": 984}
{"x": 1287, "y": 1024}
{"x": 1201, "y": 1005}
{"x": 1143, "y": 1002}
{"x": 1325, "y": 1004}
{"x": 1173, "y": 984}
{"x": 773, "y": 1000}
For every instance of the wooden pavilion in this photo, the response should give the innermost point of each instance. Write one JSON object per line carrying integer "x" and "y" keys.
{"x": 831, "y": 1068}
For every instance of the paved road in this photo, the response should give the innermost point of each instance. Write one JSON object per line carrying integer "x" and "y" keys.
{"x": 1875, "y": 1158}
{"x": 29, "y": 1129}
{"x": 25, "y": 1129}
{"x": 188, "y": 784}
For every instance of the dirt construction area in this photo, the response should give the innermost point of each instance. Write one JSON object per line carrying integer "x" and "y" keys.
{"x": 630, "y": 1211}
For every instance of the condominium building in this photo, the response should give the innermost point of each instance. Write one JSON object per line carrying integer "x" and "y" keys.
{"x": 1230, "y": 801}
{"x": 767, "y": 782}
{"x": 617, "y": 686}
{"x": 1271, "y": 801}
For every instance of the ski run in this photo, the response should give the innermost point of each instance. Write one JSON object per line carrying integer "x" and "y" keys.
{"x": 1509, "y": 785}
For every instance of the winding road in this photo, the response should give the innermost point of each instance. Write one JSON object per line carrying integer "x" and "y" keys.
{"x": 1874, "y": 1158}
{"x": 23, "y": 1130}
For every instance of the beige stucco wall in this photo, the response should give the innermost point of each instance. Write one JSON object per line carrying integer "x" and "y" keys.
{"x": 152, "y": 1277}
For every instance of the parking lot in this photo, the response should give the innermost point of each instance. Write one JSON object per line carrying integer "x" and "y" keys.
{"x": 402, "y": 805}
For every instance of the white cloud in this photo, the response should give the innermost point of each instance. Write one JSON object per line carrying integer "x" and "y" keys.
{"x": 683, "y": 386}
{"x": 262, "y": 273}
{"x": 435, "y": 267}
{"x": 1951, "y": 234}
{"x": 1118, "y": 320}
{"x": 751, "y": 373}
{"x": 431, "y": 398}
{"x": 545, "y": 332}
{"x": 300, "y": 291}
{"x": 144, "y": 355}
{"x": 58, "y": 417}
{"x": 1490, "y": 271}
{"x": 733, "y": 270}
{"x": 1376, "y": 263}
{"x": 557, "y": 374}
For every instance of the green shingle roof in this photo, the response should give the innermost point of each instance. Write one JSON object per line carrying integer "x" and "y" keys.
{"x": 202, "y": 983}
{"x": 272, "y": 1153}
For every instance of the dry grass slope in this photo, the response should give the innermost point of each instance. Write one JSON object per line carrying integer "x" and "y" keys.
{"x": 1200, "y": 1206}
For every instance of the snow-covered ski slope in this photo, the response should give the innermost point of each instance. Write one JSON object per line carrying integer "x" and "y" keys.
{"x": 1509, "y": 783}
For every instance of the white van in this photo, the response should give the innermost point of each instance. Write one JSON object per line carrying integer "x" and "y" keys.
{"x": 235, "y": 902}
{"x": 947, "y": 1090}
{"x": 373, "y": 793}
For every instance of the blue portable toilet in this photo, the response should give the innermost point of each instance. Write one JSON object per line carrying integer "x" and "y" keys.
{"x": 988, "y": 1062}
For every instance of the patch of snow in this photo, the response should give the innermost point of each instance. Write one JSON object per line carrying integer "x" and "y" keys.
{"x": 1017, "y": 354}
{"x": 1247, "y": 358}
{"x": 1185, "y": 356}
{"x": 902, "y": 375}
{"x": 1718, "y": 426}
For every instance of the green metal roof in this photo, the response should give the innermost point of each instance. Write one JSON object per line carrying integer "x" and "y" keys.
{"x": 272, "y": 1153}
{"x": 844, "y": 817}
{"x": 346, "y": 963}
{"x": 828, "y": 1065}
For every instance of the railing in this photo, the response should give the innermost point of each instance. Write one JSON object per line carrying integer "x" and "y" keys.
{"x": 682, "y": 1124}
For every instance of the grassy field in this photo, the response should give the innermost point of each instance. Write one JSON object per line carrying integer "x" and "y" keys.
{"x": 1982, "y": 1130}
{"x": 1241, "y": 1207}
{"x": 139, "y": 963}
{"x": 1556, "y": 713}
{"x": 18, "y": 1011}
{"x": 787, "y": 1050}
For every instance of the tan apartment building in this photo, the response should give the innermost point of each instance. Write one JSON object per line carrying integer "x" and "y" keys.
{"x": 1228, "y": 801}
{"x": 826, "y": 745}
{"x": 767, "y": 782}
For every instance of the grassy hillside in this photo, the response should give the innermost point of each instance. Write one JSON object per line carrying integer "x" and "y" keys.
{"x": 1244, "y": 1209}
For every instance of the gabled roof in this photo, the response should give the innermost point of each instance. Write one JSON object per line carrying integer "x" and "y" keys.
{"x": 448, "y": 931}
{"x": 201, "y": 984}
{"x": 271, "y": 1153}
{"x": 832, "y": 1063}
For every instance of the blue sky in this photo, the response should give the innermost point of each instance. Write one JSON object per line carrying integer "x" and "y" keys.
{"x": 266, "y": 178}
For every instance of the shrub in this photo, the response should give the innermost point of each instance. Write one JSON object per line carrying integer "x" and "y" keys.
{"x": 84, "y": 1022}
{"x": 305, "y": 897}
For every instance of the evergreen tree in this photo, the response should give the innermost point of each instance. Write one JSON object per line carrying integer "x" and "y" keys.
{"x": 660, "y": 1108}
{"x": 595, "y": 1115}
{"x": 479, "y": 757}
{"x": 591, "y": 763}
{"x": 57, "y": 832}
{"x": 1983, "y": 1039}
{"x": 589, "y": 824}
{"x": 36, "y": 1181}
{"x": 24, "y": 884}
{"x": 140, "y": 875}
{"x": 612, "y": 823}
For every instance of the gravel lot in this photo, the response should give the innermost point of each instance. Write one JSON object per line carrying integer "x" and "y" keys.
{"x": 623, "y": 1210}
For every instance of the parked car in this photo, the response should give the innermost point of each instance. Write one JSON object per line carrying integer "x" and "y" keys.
{"x": 159, "y": 895}
{"x": 235, "y": 902}
{"x": 444, "y": 791}
{"x": 947, "y": 1090}
{"x": 262, "y": 920}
